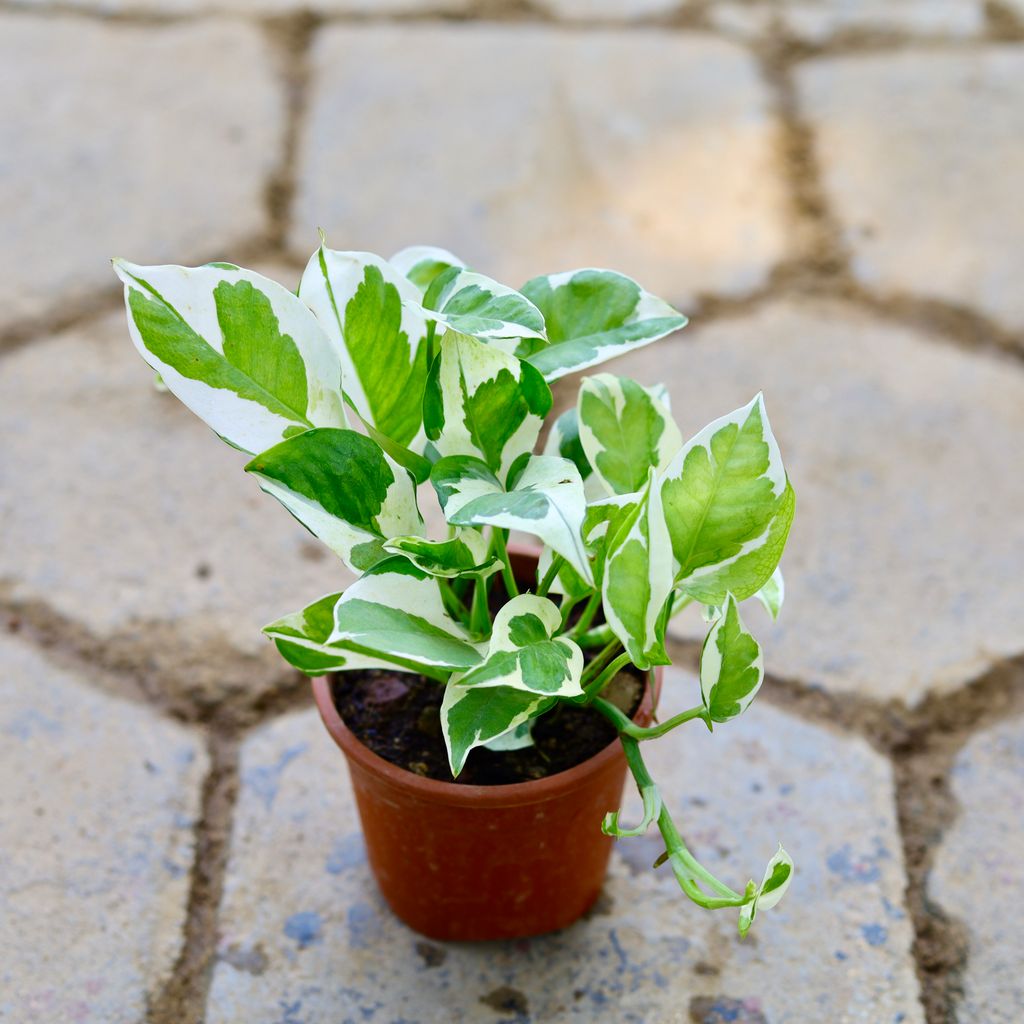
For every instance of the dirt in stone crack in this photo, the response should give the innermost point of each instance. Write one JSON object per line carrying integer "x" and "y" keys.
{"x": 398, "y": 716}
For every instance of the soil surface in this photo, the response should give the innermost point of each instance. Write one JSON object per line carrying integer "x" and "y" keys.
{"x": 398, "y": 716}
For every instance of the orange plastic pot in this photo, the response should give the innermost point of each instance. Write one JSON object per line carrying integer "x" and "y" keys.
{"x": 460, "y": 862}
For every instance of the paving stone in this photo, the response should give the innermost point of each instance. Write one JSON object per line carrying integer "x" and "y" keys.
{"x": 921, "y": 154}
{"x": 253, "y": 7}
{"x": 121, "y": 511}
{"x": 649, "y": 153}
{"x": 742, "y": 19}
{"x": 96, "y": 843}
{"x": 817, "y": 22}
{"x": 979, "y": 871}
{"x": 898, "y": 580}
{"x": 609, "y": 10}
{"x": 153, "y": 143}
{"x": 315, "y": 943}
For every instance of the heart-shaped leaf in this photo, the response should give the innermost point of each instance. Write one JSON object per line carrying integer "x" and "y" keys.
{"x": 545, "y": 499}
{"x": 422, "y": 263}
{"x": 470, "y": 303}
{"x": 729, "y": 506}
{"x": 731, "y": 666}
{"x": 483, "y": 402}
{"x": 395, "y": 610}
{"x": 592, "y": 316}
{"x": 625, "y": 430}
{"x": 637, "y": 581}
{"x": 526, "y": 653}
{"x": 372, "y": 314}
{"x": 777, "y": 877}
{"x": 243, "y": 353}
{"x": 344, "y": 489}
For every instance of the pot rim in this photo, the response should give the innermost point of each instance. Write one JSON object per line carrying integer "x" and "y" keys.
{"x": 464, "y": 795}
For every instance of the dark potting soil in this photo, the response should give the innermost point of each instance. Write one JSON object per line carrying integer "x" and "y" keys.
{"x": 398, "y": 716}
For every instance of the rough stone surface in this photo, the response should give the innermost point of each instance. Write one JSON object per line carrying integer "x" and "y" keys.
{"x": 254, "y": 7}
{"x": 316, "y": 942}
{"x": 123, "y": 513}
{"x": 921, "y": 155}
{"x": 97, "y": 806}
{"x": 155, "y": 144}
{"x": 817, "y": 22}
{"x": 826, "y": 20}
{"x": 979, "y": 871}
{"x": 649, "y": 153}
{"x": 898, "y": 578}
{"x": 609, "y": 10}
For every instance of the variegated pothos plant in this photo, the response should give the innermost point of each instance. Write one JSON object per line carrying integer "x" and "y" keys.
{"x": 378, "y": 376}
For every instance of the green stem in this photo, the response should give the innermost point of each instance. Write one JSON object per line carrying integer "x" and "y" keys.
{"x": 549, "y": 576}
{"x": 600, "y": 660}
{"x": 566, "y": 609}
{"x": 607, "y": 675}
{"x": 452, "y": 602}
{"x": 687, "y": 869}
{"x": 596, "y": 637}
{"x": 480, "y": 616}
{"x": 588, "y": 614}
{"x": 680, "y": 602}
{"x": 498, "y": 540}
{"x": 629, "y": 728}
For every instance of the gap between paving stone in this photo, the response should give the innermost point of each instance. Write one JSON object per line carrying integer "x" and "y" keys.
{"x": 922, "y": 745}
{"x": 291, "y": 39}
{"x": 183, "y": 998}
{"x": 106, "y": 300}
{"x": 118, "y": 666}
{"x": 820, "y": 266}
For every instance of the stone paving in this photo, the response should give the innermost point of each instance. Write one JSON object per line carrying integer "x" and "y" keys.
{"x": 829, "y": 188}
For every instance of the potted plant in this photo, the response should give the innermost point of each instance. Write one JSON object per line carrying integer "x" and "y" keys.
{"x": 481, "y": 687}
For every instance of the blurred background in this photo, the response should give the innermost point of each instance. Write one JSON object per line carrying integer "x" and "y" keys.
{"x": 830, "y": 189}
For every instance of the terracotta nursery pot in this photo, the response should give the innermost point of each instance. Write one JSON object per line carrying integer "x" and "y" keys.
{"x": 462, "y": 862}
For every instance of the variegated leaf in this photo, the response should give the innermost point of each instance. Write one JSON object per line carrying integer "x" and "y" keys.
{"x": 544, "y": 499}
{"x": 603, "y": 514}
{"x": 470, "y": 303}
{"x": 465, "y": 554}
{"x": 394, "y": 610}
{"x": 422, "y": 263}
{"x": 625, "y": 430}
{"x": 637, "y": 581}
{"x": 564, "y": 441}
{"x": 731, "y": 666}
{"x": 343, "y": 488}
{"x": 372, "y": 313}
{"x": 592, "y": 316}
{"x": 777, "y": 877}
{"x": 773, "y": 593}
{"x": 483, "y": 402}
{"x": 601, "y": 522}
{"x": 472, "y": 716}
{"x": 242, "y": 352}
{"x": 302, "y": 637}
{"x": 519, "y": 738}
{"x": 526, "y": 653}
{"x": 729, "y": 507}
